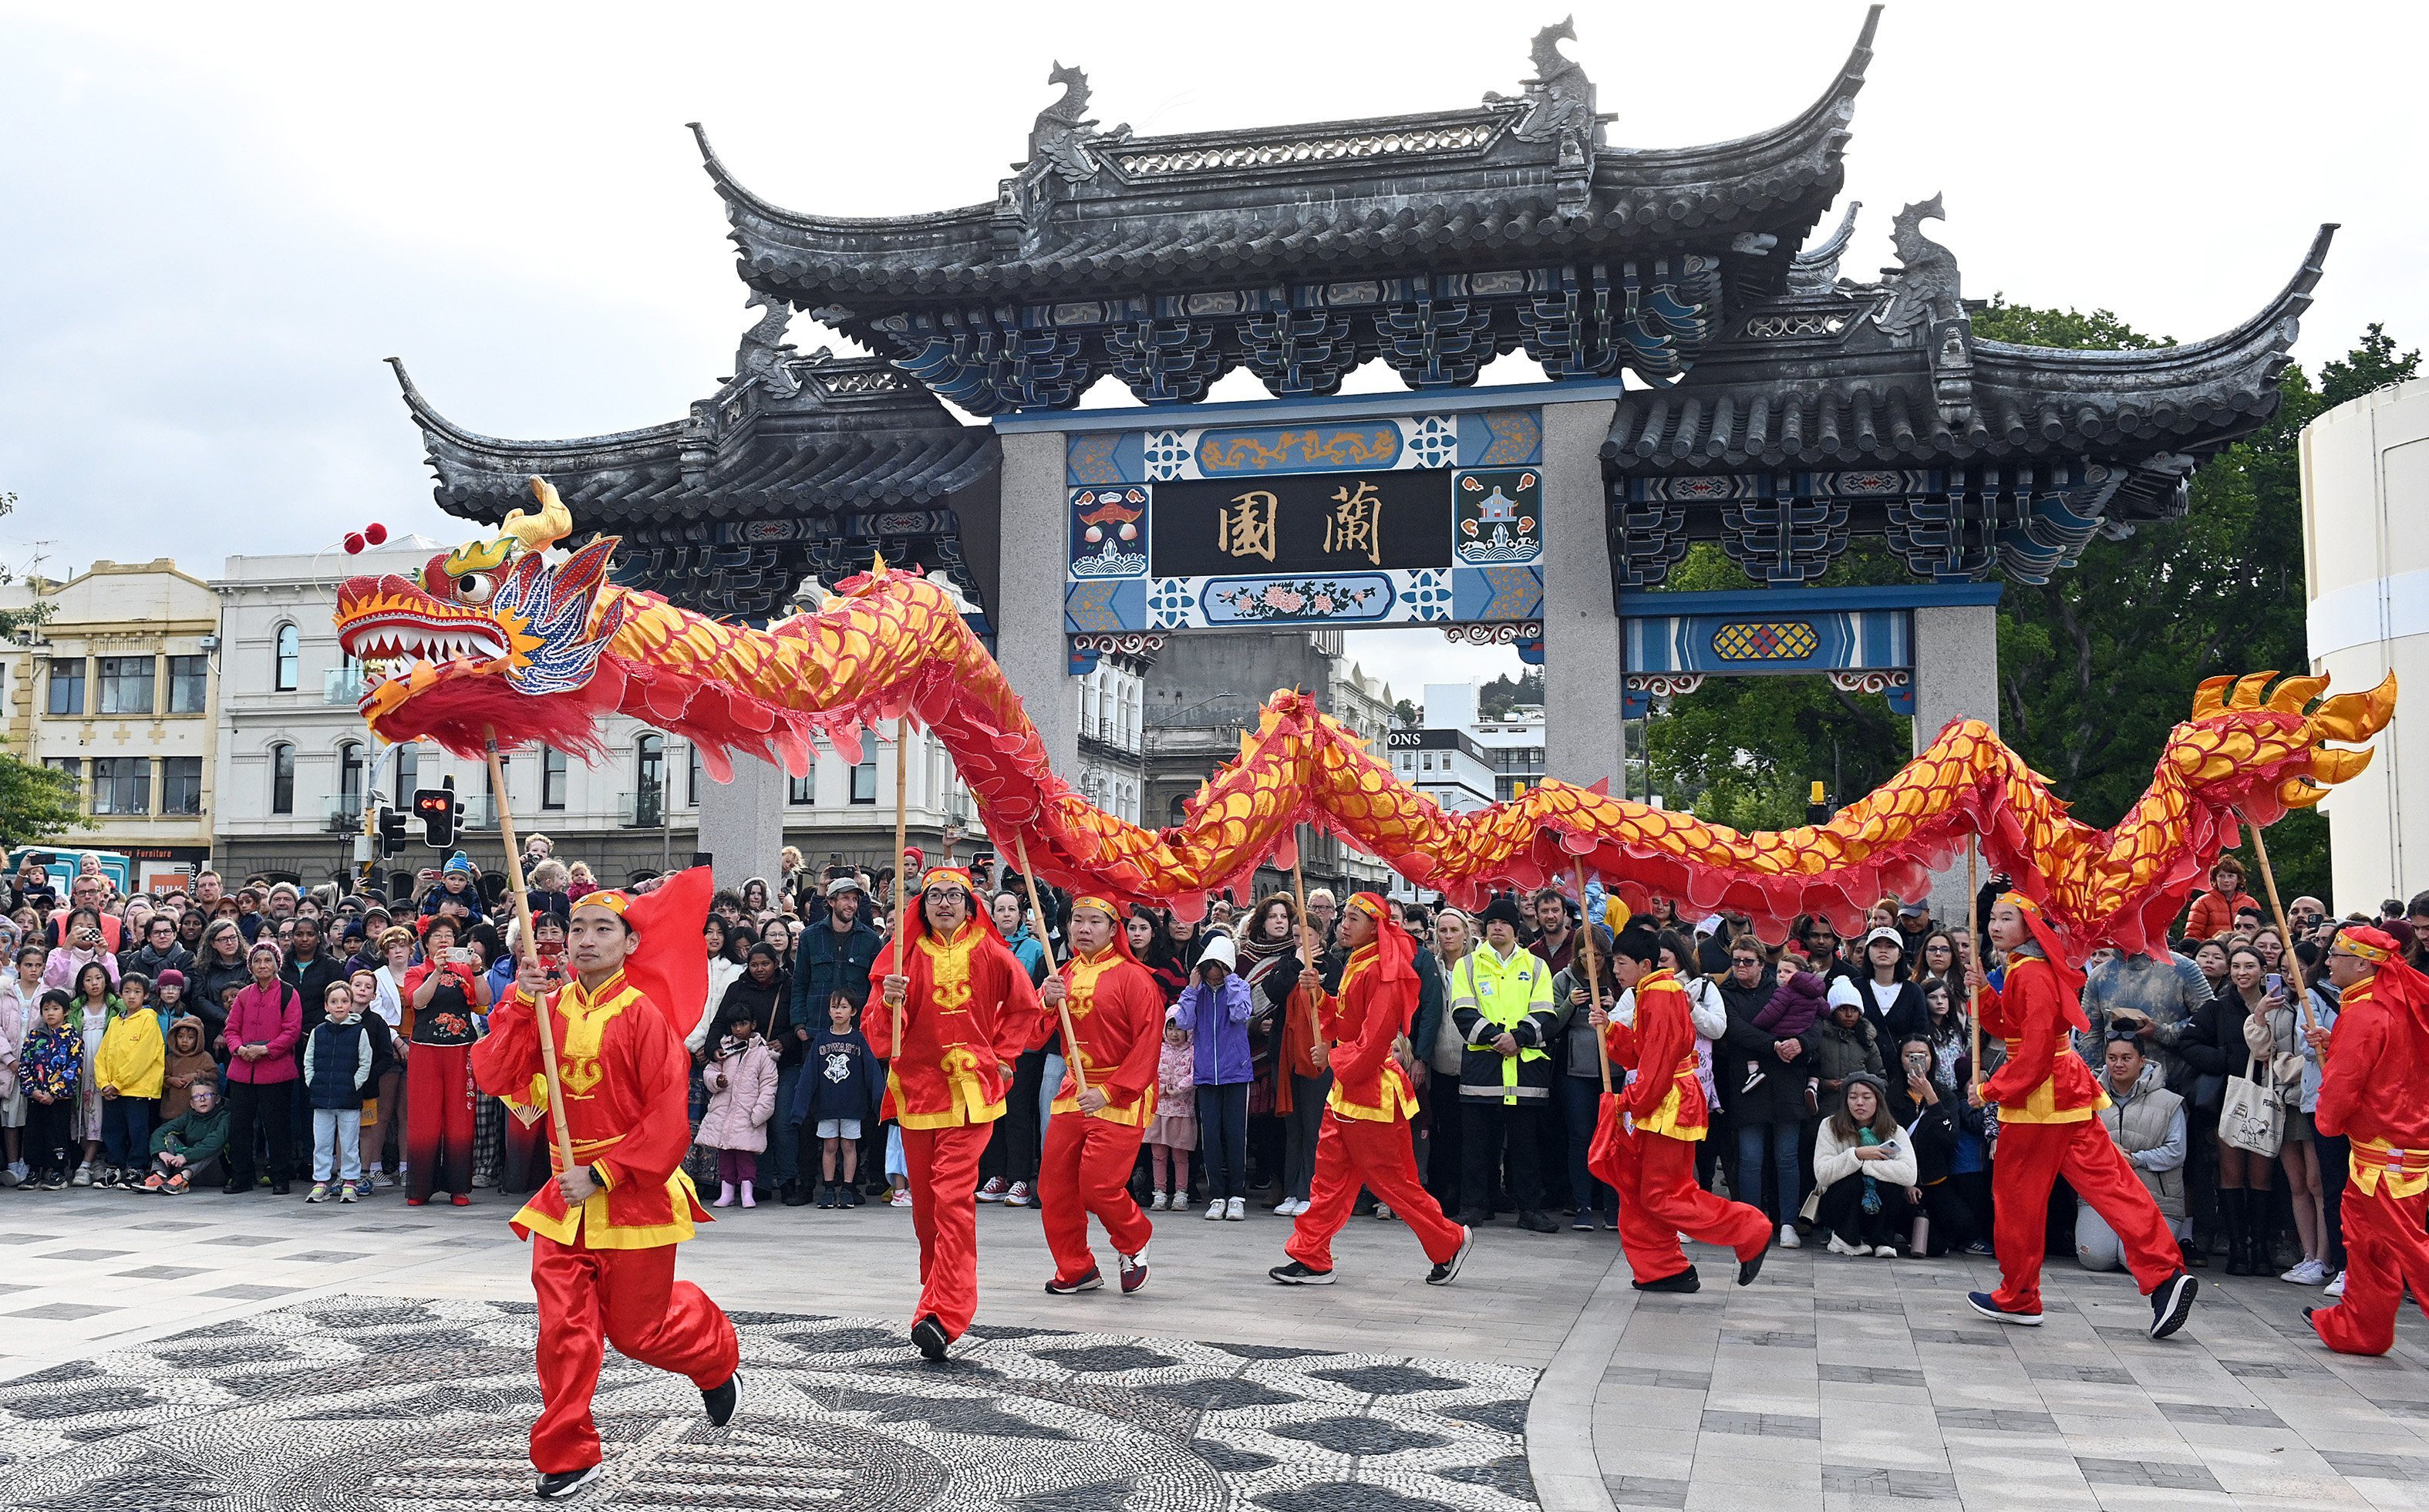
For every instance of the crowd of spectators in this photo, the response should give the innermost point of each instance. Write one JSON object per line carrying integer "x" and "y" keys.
{"x": 212, "y": 1035}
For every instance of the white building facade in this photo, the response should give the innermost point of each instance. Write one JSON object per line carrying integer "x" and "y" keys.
{"x": 2366, "y": 558}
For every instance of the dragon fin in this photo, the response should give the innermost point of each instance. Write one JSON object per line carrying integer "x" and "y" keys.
{"x": 2211, "y": 697}
{"x": 2353, "y": 717}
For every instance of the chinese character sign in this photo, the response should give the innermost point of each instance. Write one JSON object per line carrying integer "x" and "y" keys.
{"x": 1309, "y": 524}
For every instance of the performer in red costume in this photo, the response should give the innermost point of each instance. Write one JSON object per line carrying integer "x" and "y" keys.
{"x": 1649, "y": 1156}
{"x": 1365, "y": 1137}
{"x": 968, "y": 1009}
{"x": 2375, "y": 1090}
{"x": 604, "y": 1234}
{"x": 2049, "y": 1127}
{"x": 1091, "y": 1146}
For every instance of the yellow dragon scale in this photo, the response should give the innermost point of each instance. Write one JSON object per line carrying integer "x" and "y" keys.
{"x": 890, "y": 643}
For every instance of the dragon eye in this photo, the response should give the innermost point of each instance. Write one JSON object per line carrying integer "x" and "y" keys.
{"x": 475, "y": 587}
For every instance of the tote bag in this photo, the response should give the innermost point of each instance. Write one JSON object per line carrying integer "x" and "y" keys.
{"x": 2253, "y": 1118}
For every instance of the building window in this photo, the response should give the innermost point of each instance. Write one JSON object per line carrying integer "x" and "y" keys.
{"x": 121, "y": 784}
{"x": 864, "y": 780}
{"x": 552, "y": 778}
{"x": 190, "y": 683}
{"x": 650, "y": 779}
{"x": 804, "y": 788}
{"x": 289, "y": 660}
{"x": 409, "y": 772}
{"x": 282, "y": 778}
{"x": 74, "y": 766}
{"x": 691, "y": 778}
{"x": 350, "y": 778}
{"x": 125, "y": 683}
{"x": 181, "y": 785}
{"x": 67, "y": 684}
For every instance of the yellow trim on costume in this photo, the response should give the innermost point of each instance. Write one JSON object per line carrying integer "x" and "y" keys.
{"x": 2040, "y": 1104}
{"x": 1398, "y": 1102}
{"x": 1664, "y": 1119}
{"x": 591, "y": 1225}
{"x": 2377, "y": 1163}
{"x": 1082, "y": 974}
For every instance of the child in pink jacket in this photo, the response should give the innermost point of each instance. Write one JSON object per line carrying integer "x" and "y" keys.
{"x": 742, "y": 1081}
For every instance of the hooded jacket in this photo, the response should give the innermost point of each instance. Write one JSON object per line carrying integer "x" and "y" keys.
{"x": 198, "y": 1137}
{"x": 1217, "y": 1021}
{"x": 1838, "y": 1054}
{"x": 131, "y": 1055}
{"x": 741, "y": 1082}
{"x": 188, "y": 1060}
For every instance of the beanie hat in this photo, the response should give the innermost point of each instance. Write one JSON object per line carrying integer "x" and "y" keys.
{"x": 458, "y": 863}
{"x": 1505, "y": 909}
{"x": 171, "y": 977}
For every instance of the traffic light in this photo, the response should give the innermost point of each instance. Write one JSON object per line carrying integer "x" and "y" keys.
{"x": 439, "y": 813}
{"x": 392, "y": 824}
{"x": 1817, "y": 805}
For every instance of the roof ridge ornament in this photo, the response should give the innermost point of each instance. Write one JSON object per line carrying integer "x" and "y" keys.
{"x": 1927, "y": 306}
{"x": 1560, "y": 105}
{"x": 1059, "y": 147}
{"x": 1815, "y": 270}
{"x": 765, "y": 355}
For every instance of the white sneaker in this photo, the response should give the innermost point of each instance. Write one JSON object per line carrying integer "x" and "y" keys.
{"x": 83, "y": 1176}
{"x": 1384, "y": 1211}
{"x": 1885, "y": 1252}
{"x": 1214, "y": 1206}
{"x": 901, "y": 1198}
{"x": 1788, "y": 1239}
{"x": 2336, "y": 1286}
{"x": 2309, "y": 1273}
{"x": 1160, "y": 1203}
{"x": 1840, "y": 1247}
{"x": 1181, "y": 1202}
{"x": 1235, "y": 1209}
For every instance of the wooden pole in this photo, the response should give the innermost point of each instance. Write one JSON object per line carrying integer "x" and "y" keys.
{"x": 1298, "y": 900}
{"x": 2293, "y": 962}
{"x": 1972, "y": 961}
{"x": 1037, "y": 911}
{"x": 902, "y": 895}
{"x": 1594, "y": 987}
{"x": 531, "y": 952}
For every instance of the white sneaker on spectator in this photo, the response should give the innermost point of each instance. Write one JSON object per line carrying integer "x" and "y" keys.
{"x": 901, "y": 1198}
{"x": 994, "y": 1189}
{"x": 2336, "y": 1286}
{"x": 83, "y": 1176}
{"x": 1181, "y": 1202}
{"x": 1788, "y": 1239}
{"x": 1235, "y": 1209}
{"x": 1840, "y": 1247}
{"x": 1161, "y": 1202}
{"x": 1215, "y": 1209}
{"x": 1384, "y": 1211}
{"x": 1885, "y": 1252}
{"x": 2310, "y": 1273}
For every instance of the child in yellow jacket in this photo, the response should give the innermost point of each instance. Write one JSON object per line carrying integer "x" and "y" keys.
{"x": 127, "y": 1071}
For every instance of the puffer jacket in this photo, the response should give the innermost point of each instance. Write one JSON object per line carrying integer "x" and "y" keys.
{"x": 1838, "y": 1054}
{"x": 742, "y": 1097}
{"x": 1757, "y": 1085}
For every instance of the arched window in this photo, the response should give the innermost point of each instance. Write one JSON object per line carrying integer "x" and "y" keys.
{"x": 282, "y": 778}
{"x": 350, "y": 777}
{"x": 650, "y": 779}
{"x": 290, "y": 659}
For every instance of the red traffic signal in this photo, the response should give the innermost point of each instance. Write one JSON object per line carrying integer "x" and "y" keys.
{"x": 440, "y": 814}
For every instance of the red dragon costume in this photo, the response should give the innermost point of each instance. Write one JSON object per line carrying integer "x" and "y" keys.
{"x": 2049, "y": 1125}
{"x": 2375, "y": 1090}
{"x": 1117, "y": 1020}
{"x": 969, "y": 1010}
{"x": 604, "y": 1272}
{"x": 1365, "y": 1138}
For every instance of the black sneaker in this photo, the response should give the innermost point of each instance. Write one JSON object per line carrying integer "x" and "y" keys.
{"x": 278, "y": 1189}
{"x": 558, "y": 1487}
{"x": 2172, "y": 1304}
{"x": 1093, "y": 1281}
{"x": 720, "y": 1400}
{"x": 826, "y": 1196}
{"x": 1447, "y": 1272}
{"x": 1538, "y": 1223}
{"x": 1686, "y": 1280}
{"x": 1299, "y": 1274}
{"x": 1748, "y": 1270}
{"x": 795, "y": 1195}
{"x": 928, "y": 1335}
{"x": 1981, "y": 1302}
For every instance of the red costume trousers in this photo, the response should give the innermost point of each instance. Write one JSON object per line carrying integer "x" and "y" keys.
{"x": 2385, "y": 1252}
{"x": 2029, "y": 1156}
{"x": 1355, "y": 1152}
{"x": 943, "y": 1214}
{"x": 438, "y": 1120}
{"x": 1086, "y": 1169}
{"x": 1659, "y": 1200}
{"x": 628, "y": 1298}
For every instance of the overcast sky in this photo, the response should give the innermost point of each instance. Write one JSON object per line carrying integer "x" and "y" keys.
{"x": 218, "y": 219}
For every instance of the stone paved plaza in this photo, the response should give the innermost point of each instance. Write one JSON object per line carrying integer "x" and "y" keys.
{"x": 213, "y": 1352}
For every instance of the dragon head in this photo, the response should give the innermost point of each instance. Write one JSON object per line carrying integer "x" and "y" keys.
{"x": 489, "y": 617}
{"x": 2262, "y": 758}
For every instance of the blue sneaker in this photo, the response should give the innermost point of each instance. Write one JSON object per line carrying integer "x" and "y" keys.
{"x": 1983, "y": 1304}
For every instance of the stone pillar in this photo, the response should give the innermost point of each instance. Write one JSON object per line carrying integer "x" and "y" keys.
{"x": 1956, "y": 677}
{"x": 742, "y": 822}
{"x": 1028, "y": 638}
{"x": 1583, "y": 645}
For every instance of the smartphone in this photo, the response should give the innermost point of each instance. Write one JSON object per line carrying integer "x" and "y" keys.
{"x": 550, "y": 949}
{"x": 461, "y": 955}
{"x": 2276, "y": 982}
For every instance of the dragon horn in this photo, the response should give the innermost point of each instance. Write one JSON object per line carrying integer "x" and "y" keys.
{"x": 2354, "y": 718}
{"x": 2329, "y": 767}
{"x": 2211, "y": 697}
{"x": 2295, "y": 694}
{"x": 552, "y": 523}
{"x": 2300, "y": 793}
{"x": 2248, "y": 688}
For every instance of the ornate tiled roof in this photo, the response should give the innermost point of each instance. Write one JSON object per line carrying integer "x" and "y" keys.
{"x": 798, "y": 465}
{"x": 1168, "y": 259}
{"x": 1881, "y": 397}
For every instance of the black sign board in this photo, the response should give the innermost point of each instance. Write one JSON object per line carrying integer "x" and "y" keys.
{"x": 1306, "y": 523}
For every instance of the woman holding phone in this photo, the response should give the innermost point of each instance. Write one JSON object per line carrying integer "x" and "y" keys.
{"x": 442, "y": 995}
{"x": 2214, "y": 1043}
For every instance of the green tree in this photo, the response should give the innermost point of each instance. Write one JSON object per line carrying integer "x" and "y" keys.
{"x": 37, "y": 804}
{"x": 1495, "y": 699}
{"x": 13, "y": 620}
